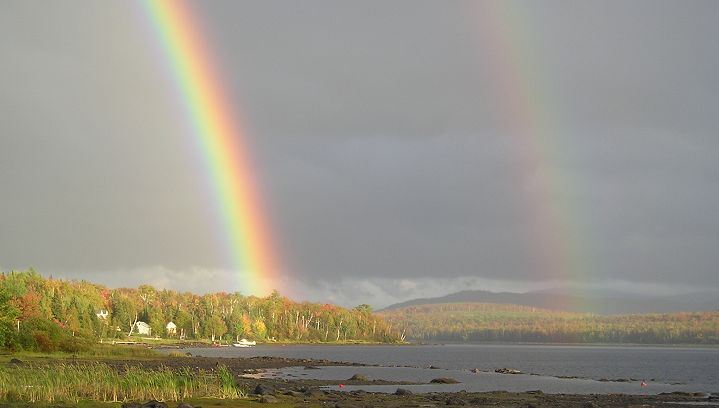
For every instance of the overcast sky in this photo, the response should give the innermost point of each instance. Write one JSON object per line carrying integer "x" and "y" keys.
{"x": 387, "y": 150}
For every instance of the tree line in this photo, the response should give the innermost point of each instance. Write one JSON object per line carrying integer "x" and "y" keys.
{"x": 47, "y": 314}
{"x": 482, "y": 322}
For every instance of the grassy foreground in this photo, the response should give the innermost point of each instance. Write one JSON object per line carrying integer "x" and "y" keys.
{"x": 100, "y": 382}
{"x": 97, "y": 351}
{"x": 196, "y": 402}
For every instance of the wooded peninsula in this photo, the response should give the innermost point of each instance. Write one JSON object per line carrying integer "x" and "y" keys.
{"x": 45, "y": 314}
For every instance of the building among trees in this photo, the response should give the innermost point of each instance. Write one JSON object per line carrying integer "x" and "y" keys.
{"x": 79, "y": 313}
{"x": 143, "y": 328}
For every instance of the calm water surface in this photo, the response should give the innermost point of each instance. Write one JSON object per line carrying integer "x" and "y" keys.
{"x": 664, "y": 368}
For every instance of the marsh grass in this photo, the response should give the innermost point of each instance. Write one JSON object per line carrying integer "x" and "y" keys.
{"x": 117, "y": 351}
{"x": 99, "y": 382}
{"x": 104, "y": 351}
{"x": 228, "y": 385}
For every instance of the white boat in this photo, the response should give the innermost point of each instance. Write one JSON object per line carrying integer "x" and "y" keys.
{"x": 245, "y": 343}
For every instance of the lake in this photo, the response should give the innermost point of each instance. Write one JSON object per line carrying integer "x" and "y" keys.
{"x": 665, "y": 369}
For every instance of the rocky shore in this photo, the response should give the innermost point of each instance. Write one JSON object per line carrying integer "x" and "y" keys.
{"x": 310, "y": 393}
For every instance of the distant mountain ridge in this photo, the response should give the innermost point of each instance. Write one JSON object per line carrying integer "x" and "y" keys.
{"x": 600, "y": 302}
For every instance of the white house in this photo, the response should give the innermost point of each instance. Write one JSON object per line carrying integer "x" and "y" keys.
{"x": 143, "y": 328}
{"x": 102, "y": 314}
{"x": 171, "y": 328}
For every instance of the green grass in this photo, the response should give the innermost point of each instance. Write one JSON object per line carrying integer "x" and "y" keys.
{"x": 99, "y": 382}
{"x": 160, "y": 341}
{"x": 203, "y": 402}
{"x": 98, "y": 351}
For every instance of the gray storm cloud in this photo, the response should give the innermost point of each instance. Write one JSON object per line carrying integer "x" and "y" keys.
{"x": 379, "y": 141}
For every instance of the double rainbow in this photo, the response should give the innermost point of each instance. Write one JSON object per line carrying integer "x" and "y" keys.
{"x": 524, "y": 101}
{"x": 221, "y": 141}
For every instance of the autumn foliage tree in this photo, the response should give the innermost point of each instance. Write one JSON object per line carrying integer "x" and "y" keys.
{"x": 486, "y": 322}
{"x": 84, "y": 310}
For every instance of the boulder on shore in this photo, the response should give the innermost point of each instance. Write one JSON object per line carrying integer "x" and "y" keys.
{"x": 154, "y": 404}
{"x": 262, "y": 389}
{"x": 505, "y": 370}
{"x": 268, "y": 399}
{"x": 444, "y": 380}
{"x": 455, "y": 401}
{"x": 403, "y": 391}
{"x": 358, "y": 377}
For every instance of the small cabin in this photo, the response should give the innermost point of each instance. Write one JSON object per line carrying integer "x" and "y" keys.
{"x": 143, "y": 328}
{"x": 171, "y": 329}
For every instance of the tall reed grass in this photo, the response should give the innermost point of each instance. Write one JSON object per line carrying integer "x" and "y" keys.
{"x": 105, "y": 351}
{"x": 99, "y": 382}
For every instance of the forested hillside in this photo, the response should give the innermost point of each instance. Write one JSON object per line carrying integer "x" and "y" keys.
{"x": 586, "y": 301}
{"x": 481, "y": 322}
{"x": 48, "y": 314}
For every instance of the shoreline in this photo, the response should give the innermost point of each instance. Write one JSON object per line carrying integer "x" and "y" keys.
{"x": 314, "y": 393}
{"x": 510, "y": 344}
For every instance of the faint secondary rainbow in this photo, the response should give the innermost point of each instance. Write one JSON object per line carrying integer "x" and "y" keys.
{"x": 221, "y": 141}
{"x": 530, "y": 114}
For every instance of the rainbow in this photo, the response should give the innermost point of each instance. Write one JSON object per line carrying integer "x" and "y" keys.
{"x": 529, "y": 114}
{"x": 222, "y": 144}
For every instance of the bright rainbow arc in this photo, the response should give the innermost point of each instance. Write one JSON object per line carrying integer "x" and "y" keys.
{"x": 221, "y": 142}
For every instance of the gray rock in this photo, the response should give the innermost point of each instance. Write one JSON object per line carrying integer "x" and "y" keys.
{"x": 444, "y": 380}
{"x": 403, "y": 391}
{"x": 507, "y": 371}
{"x": 262, "y": 389}
{"x": 154, "y": 404}
{"x": 455, "y": 401}
{"x": 295, "y": 393}
{"x": 268, "y": 399}
{"x": 185, "y": 405}
{"x": 358, "y": 377}
{"x": 16, "y": 361}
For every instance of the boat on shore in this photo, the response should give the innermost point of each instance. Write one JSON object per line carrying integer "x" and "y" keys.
{"x": 245, "y": 343}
